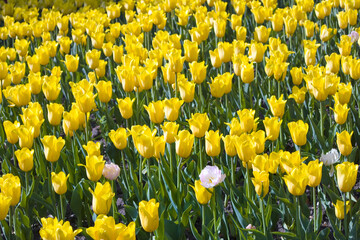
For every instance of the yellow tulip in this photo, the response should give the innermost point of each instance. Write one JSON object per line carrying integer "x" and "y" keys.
{"x": 352, "y": 16}
{"x": 259, "y": 14}
{"x": 104, "y": 90}
{"x": 198, "y": 71}
{"x": 215, "y": 58}
{"x": 5, "y": 205}
{"x": 59, "y": 182}
{"x": 309, "y": 28}
{"x": 184, "y": 143}
{"x": 248, "y": 122}
{"x": 261, "y": 183}
{"x": 226, "y": 51}
{"x": 51, "y": 228}
{"x": 19, "y": 95}
{"x": 247, "y": 72}
{"x": 229, "y": 143}
{"x": 33, "y": 63}
{"x": 327, "y": 33}
{"x": 143, "y": 140}
{"x": 25, "y": 159}
{"x": 22, "y": 47}
{"x": 297, "y": 180}
{"x": 262, "y": 34}
{"x": 315, "y": 172}
{"x": 35, "y": 81}
{"x": 277, "y": 106}
{"x": 240, "y": 33}
{"x": 202, "y": 194}
{"x": 277, "y": 21}
{"x": 172, "y": 107}
{"x": 272, "y": 127}
{"x": 155, "y": 111}
{"x": 340, "y": 113}
{"x": 125, "y": 107}
{"x": 10, "y": 185}
{"x": 10, "y": 131}
{"x": 256, "y": 52}
{"x": 339, "y": 209}
{"x": 119, "y": 138}
{"x": 346, "y": 173}
{"x": 345, "y": 45}
{"x": 149, "y": 215}
{"x": 199, "y": 124}
{"x": 51, "y": 88}
{"x": 344, "y": 93}
{"x": 159, "y": 147}
{"x": 342, "y": 18}
{"x": 245, "y": 148}
{"x": 212, "y": 143}
{"x": 43, "y": 54}
{"x": 52, "y": 147}
{"x": 343, "y": 142}
{"x": 298, "y": 131}
{"x": 333, "y": 63}
{"x": 26, "y": 136}
{"x": 71, "y": 62}
{"x": 55, "y": 111}
{"x": 298, "y": 94}
{"x": 92, "y": 148}
{"x": 170, "y": 130}
{"x": 92, "y": 58}
{"x": 191, "y": 51}
{"x": 117, "y": 52}
{"x": 290, "y": 25}
{"x": 219, "y": 27}
{"x": 296, "y": 75}
{"x": 102, "y": 197}
{"x": 64, "y": 43}
{"x": 94, "y": 167}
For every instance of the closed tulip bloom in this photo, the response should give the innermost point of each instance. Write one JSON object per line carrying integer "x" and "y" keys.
{"x": 125, "y": 107}
{"x": 3, "y": 70}
{"x": 342, "y": 18}
{"x": 92, "y": 148}
{"x": 155, "y": 111}
{"x": 333, "y": 63}
{"x": 176, "y": 61}
{"x": 229, "y": 143}
{"x": 43, "y": 55}
{"x": 59, "y": 182}
{"x": 272, "y": 127}
{"x": 298, "y": 94}
{"x": 202, "y": 194}
{"x": 191, "y": 51}
{"x": 172, "y": 107}
{"x": 92, "y": 58}
{"x": 345, "y": 45}
{"x": 119, "y": 138}
{"x": 52, "y": 147}
{"x": 217, "y": 88}
{"x": 102, "y": 197}
{"x": 104, "y": 90}
{"x": 159, "y": 147}
{"x": 26, "y": 136}
{"x": 297, "y": 180}
{"x": 261, "y": 183}
{"x": 19, "y": 95}
{"x": 107, "y": 49}
{"x": 149, "y": 215}
{"x": 170, "y": 130}
{"x": 86, "y": 102}
{"x": 262, "y": 34}
{"x": 198, "y": 71}
{"x": 240, "y": 33}
{"x": 212, "y": 143}
{"x": 10, "y": 185}
{"x": 25, "y": 159}
{"x": 33, "y": 63}
{"x": 309, "y": 28}
{"x": 298, "y": 131}
{"x": 277, "y": 21}
{"x": 327, "y": 33}
{"x": 55, "y": 112}
{"x": 256, "y": 52}
{"x": 259, "y": 14}
{"x": 260, "y": 163}
{"x": 22, "y": 47}
{"x": 343, "y": 142}
{"x": 117, "y": 52}
{"x": 247, "y": 72}
{"x": 101, "y": 69}
{"x": 71, "y": 62}
{"x": 35, "y": 81}
{"x": 219, "y": 27}
{"x": 290, "y": 25}
{"x": 184, "y": 143}
{"x": 346, "y": 173}
{"x": 64, "y": 43}
{"x": 315, "y": 172}
{"x": 94, "y": 167}
{"x": 215, "y": 58}
{"x": 340, "y": 113}
{"x": 5, "y": 205}
{"x": 199, "y": 124}
{"x": 52, "y": 228}
{"x": 247, "y": 120}
{"x": 226, "y": 51}
{"x": 259, "y": 139}
{"x": 277, "y": 106}
{"x": 344, "y": 93}
{"x": 17, "y": 72}
{"x": 51, "y": 88}
{"x": 296, "y": 75}
{"x": 10, "y": 131}
{"x": 245, "y": 148}
{"x": 339, "y": 209}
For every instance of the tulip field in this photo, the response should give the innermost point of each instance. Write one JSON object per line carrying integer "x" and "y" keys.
{"x": 169, "y": 119}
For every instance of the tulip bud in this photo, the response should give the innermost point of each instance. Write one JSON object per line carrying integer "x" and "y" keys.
{"x": 199, "y": 124}
{"x": 59, "y": 182}
{"x": 25, "y": 159}
{"x": 102, "y": 197}
{"x": 343, "y": 142}
{"x": 346, "y": 173}
{"x": 184, "y": 143}
{"x": 149, "y": 215}
{"x": 119, "y": 138}
{"x": 298, "y": 131}
{"x": 339, "y": 209}
{"x": 261, "y": 183}
{"x": 202, "y": 194}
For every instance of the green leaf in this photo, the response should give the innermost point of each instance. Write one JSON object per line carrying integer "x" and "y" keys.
{"x": 194, "y": 231}
{"x": 287, "y": 235}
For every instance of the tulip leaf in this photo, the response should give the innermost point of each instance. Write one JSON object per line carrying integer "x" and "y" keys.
{"x": 257, "y": 233}
{"x": 185, "y": 216}
{"x": 243, "y": 222}
{"x": 131, "y": 211}
{"x": 209, "y": 231}
{"x": 331, "y": 215}
{"x": 287, "y": 235}
{"x": 323, "y": 234}
{"x": 194, "y": 231}
{"x": 318, "y": 138}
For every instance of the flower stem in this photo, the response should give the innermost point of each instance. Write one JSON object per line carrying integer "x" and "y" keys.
{"x": 321, "y": 119}
{"x": 297, "y": 205}
{"x": 140, "y": 177}
{"x": 86, "y": 128}
{"x": 113, "y": 203}
{"x": 62, "y": 207}
{"x": 214, "y": 214}
{"x": 262, "y": 214}
{"x": 149, "y": 177}
{"x": 345, "y": 217}
{"x": 203, "y": 221}
{"x": 314, "y": 207}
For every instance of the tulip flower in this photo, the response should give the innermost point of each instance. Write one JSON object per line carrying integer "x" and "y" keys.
{"x": 259, "y": 13}
{"x": 19, "y": 95}
{"x": 52, "y": 147}
{"x": 111, "y": 171}
{"x": 212, "y": 143}
{"x": 240, "y": 33}
{"x": 333, "y": 63}
{"x": 297, "y": 180}
{"x": 296, "y": 75}
{"x": 105, "y": 228}
{"x": 170, "y": 130}
{"x": 343, "y": 142}
{"x": 298, "y": 131}
{"x": 245, "y": 148}
{"x": 191, "y": 51}
{"x": 59, "y": 182}
{"x": 159, "y": 147}
{"x": 330, "y": 157}
{"x": 202, "y": 194}
{"x": 256, "y": 52}
{"x": 211, "y": 176}
{"x": 215, "y": 58}
{"x": 309, "y": 28}
{"x": 346, "y": 173}
{"x": 35, "y": 82}
{"x": 298, "y": 94}
{"x": 125, "y": 107}
{"x": 52, "y": 227}
{"x": 55, "y": 112}
{"x": 10, "y": 131}
{"x": 277, "y": 106}
{"x": 64, "y": 43}
{"x": 259, "y": 139}
{"x": 344, "y": 45}
{"x": 229, "y": 143}
{"x": 184, "y": 143}
{"x": 344, "y": 93}
{"x": 26, "y": 136}
{"x": 104, "y": 90}
{"x": 5, "y": 205}
{"x": 327, "y": 33}
{"x": 92, "y": 148}
{"x": 155, "y": 111}
{"x": 226, "y": 51}
{"x": 22, "y": 47}
{"x": 219, "y": 27}
{"x": 340, "y": 113}
{"x": 199, "y": 124}
{"x": 171, "y": 108}
{"x": 102, "y": 197}
{"x": 272, "y": 128}
{"x": 119, "y": 138}
{"x": 117, "y": 52}
{"x": 247, "y": 72}
{"x": 277, "y": 21}
{"x": 261, "y": 183}
{"x": 51, "y": 88}
{"x": 260, "y": 163}
{"x": 315, "y": 172}
{"x": 143, "y": 140}
{"x": 339, "y": 209}
{"x": 71, "y": 62}
{"x": 25, "y": 159}
{"x": 262, "y": 34}
{"x": 149, "y": 215}
{"x": 92, "y": 58}
{"x": 248, "y": 122}
{"x": 198, "y": 71}
{"x": 290, "y": 25}
{"x": 94, "y": 167}
{"x": 10, "y": 185}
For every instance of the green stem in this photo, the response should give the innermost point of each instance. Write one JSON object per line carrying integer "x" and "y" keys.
{"x": 86, "y": 128}
{"x": 26, "y": 182}
{"x": 321, "y": 119}
{"x": 240, "y": 91}
{"x": 113, "y": 203}
{"x": 140, "y": 177}
{"x": 214, "y": 214}
{"x": 297, "y": 205}
{"x": 11, "y": 223}
{"x": 262, "y": 214}
{"x": 345, "y": 217}
{"x": 203, "y": 221}
{"x": 314, "y": 206}
{"x": 149, "y": 177}
{"x": 62, "y": 207}
{"x": 125, "y": 171}
{"x": 201, "y": 155}
{"x": 232, "y": 170}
